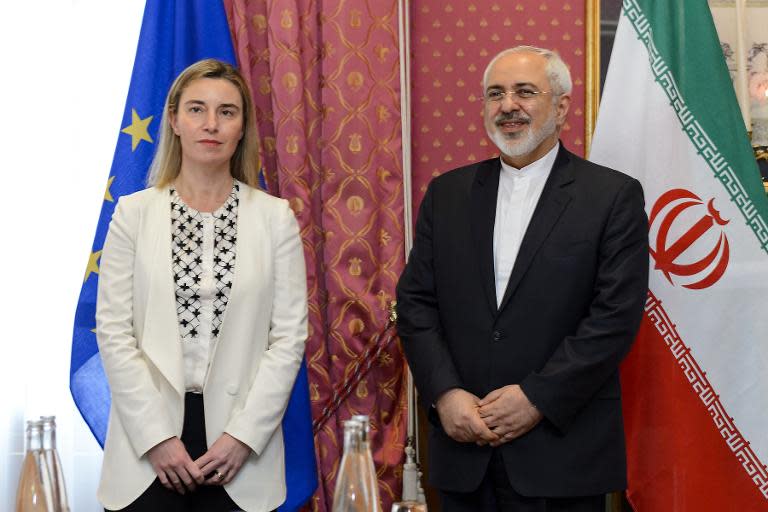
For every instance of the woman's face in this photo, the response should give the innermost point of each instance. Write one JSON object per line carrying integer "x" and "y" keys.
{"x": 209, "y": 123}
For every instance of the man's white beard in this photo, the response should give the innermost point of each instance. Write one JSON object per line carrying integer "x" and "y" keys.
{"x": 525, "y": 143}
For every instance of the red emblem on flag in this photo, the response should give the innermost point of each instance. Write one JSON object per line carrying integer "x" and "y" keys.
{"x": 689, "y": 240}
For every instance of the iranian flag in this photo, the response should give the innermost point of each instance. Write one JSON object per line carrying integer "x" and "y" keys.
{"x": 695, "y": 385}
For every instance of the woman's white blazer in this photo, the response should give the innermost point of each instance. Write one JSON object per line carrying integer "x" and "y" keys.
{"x": 254, "y": 363}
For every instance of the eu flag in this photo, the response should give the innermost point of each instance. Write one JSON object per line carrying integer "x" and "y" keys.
{"x": 174, "y": 34}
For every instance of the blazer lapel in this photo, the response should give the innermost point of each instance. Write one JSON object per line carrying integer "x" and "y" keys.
{"x": 161, "y": 339}
{"x": 247, "y": 260}
{"x": 554, "y": 198}
{"x": 483, "y": 211}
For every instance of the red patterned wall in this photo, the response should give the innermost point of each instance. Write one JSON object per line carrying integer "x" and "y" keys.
{"x": 452, "y": 41}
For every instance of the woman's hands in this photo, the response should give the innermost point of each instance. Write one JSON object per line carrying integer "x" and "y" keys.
{"x": 174, "y": 467}
{"x": 177, "y": 471}
{"x": 224, "y": 459}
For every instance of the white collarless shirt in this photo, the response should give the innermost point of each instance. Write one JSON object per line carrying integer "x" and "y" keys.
{"x": 203, "y": 247}
{"x": 519, "y": 193}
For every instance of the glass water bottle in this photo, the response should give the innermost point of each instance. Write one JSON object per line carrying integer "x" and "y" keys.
{"x": 34, "y": 482}
{"x": 353, "y": 492}
{"x": 59, "y": 490}
{"x": 365, "y": 446}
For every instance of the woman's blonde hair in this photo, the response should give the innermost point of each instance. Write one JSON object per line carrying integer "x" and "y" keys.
{"x": 244, "y": 165}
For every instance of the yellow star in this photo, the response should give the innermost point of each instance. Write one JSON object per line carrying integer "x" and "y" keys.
{"x": 138, "y": 129}
{"x": 93, "y": 265}
{"x": 107, "y": 193}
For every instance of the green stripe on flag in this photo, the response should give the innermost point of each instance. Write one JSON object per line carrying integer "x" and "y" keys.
{"x": 688, "y": 63}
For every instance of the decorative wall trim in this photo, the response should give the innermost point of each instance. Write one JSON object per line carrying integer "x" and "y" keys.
{"x": 592, "y": 71}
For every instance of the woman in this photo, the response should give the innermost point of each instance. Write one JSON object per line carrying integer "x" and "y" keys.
{"x": 201, "y": 315}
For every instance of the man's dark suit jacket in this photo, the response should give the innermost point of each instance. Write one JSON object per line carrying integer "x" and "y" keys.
{"x": 571, "y": 310}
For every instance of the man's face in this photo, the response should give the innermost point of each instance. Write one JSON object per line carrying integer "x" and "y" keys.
{"x": 526, "y": 125}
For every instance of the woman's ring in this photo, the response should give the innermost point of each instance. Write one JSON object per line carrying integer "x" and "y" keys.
{"x": 219, "y": 476}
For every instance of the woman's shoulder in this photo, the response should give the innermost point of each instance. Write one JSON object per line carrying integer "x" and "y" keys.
{"x": 142, "y": 198}
{"x": 260, "y": 198}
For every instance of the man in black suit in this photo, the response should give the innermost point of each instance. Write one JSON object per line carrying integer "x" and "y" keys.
{"x": 524, "y": 290}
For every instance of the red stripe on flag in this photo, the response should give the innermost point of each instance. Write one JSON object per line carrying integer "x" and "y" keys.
{"x": 684, "y": 452}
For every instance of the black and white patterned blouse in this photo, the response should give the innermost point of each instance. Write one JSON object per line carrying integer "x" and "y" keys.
{"x": 203, "y": 249}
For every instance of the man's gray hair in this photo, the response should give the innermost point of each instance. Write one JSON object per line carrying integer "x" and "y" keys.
{"x": 557, "y": 72}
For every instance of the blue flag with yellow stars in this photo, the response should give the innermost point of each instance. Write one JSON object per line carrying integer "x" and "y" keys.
{"x": 174, "y": 34}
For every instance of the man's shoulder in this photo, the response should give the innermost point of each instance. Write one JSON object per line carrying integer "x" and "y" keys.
{"x": 600, "y": 173}
{"x": 464, "y": 174}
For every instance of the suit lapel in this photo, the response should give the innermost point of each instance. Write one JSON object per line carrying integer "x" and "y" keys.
{"x": 483, "y": 211}
{"x": 161, "y": 339}
{"x": 554, "y": 198}
{"x": 246, "y": 260}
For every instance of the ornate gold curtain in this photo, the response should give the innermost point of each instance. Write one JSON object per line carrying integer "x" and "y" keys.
{"x": 326, "y": 83}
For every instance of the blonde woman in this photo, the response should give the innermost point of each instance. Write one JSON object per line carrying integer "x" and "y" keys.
{"x": 201, "y": 315}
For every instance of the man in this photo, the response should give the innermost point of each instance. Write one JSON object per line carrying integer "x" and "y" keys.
{"x": 524, "y": 290}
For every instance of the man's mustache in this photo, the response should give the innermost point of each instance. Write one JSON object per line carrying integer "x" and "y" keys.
{"x": 514, "y": 117}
